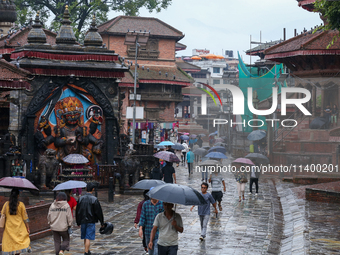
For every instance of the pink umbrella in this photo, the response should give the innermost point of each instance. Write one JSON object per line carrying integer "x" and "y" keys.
{"x": 186, "y": 134}
{"x": 243, "y": 161}
{"x": 20, "y": 183}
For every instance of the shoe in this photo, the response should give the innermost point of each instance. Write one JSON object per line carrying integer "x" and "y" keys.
{"x": 201, "y": 238}
{"x": 256, "y": 194}
{"x": 202, "y": 180}
{"x": 250, "y": 193}
{"x": 61, "y": 253}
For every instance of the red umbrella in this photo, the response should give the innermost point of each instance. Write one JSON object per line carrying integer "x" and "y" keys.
{"x": 20, "y": 183}
{"x": 243, "y": 161}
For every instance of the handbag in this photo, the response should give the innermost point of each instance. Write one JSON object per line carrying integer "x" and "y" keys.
{"x": 244, "y": 180}
{"x": 3, "y": 218}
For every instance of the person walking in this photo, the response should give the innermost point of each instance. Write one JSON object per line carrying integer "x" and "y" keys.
{"x": 169, "y": 224}
{"x": 88, "y": 212}
{"x": 179, "y": 156}
{"x": 139, "y": 211}
{"x": 60, "y": 220}
{"x": 156, "y": 172}
{"x": 150, "y": 209}
{"x": 15, "y": 238}
{"x": 204, "y": 210}
{"x": 169, "y": 173}
{"x": 199, "y": 142}
{"x": 241, "y": 180}
{"x": 184, "y": 152}
{"x": 190, "y": 160}
{"x": 71, "y": 200}
{"x": 216, "y": 181}
{"x": 254, "y": 178}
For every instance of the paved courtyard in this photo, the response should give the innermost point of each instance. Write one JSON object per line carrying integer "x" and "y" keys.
{"x": 274, "y": 222}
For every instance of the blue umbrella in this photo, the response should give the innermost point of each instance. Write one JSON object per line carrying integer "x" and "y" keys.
{"x": 178, "y": 146}
{"x": 256, "y": 135}
{"x": 218, "y": 149}
{"x": 215, "y": 155}
{"x": 215, "y": 133}
{"x": 184, "y": 137}
{"x": 166, "y": 143}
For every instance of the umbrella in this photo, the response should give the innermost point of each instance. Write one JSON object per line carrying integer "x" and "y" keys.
{"x": 184, "y": 137}
{"x": 216, "y": 155}
{"x": 70, "y": 185}
{"x": 258, "y": 157}
{"x": 75, "y": 159}
{"x": 166, "y": 143}
{"x": 178, "y": 146}
{"x": 210, "y": 56}
{"x": 193, "y": 136}
{"x": 215, "y": 133}
{"x": 243, "y": 161}
{"x": 196, "y": 58}
{"x": 220, "y": 144}
{"x": 317, "y": 123}
{"x": 201, "y": 152}
{"x": 219, "y": 140}
{"x": 219, "y": 57}
{"x": 218, "y": 149}
{"x": 206, "y": 147}
{"x": 157, "y": 146}
{"x": 20, "y": 183}
{"x": 201, "y": 135}
{"x": 147, "y": 184}
{"x": 167, "y": 156}
{"x": 210, "y": 162}
{"x": 256, "y": 135}
{"x": 177, "y": 194}
{"x": 187, "y": 58}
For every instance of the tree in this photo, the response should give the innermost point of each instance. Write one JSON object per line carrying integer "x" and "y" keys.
{"x": 80, "y": 10}
{"x": 330, "y": 10}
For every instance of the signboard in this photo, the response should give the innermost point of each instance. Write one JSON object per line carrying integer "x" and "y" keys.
{"x": 196, "y": 52}
{"x": 139, "y": 112}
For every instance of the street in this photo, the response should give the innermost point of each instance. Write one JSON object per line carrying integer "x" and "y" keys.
{"x": 257, "y": 225}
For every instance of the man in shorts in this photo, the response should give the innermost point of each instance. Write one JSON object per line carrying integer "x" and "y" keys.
{"x": 88, "y": 212}
{"x": 216, "y": 181}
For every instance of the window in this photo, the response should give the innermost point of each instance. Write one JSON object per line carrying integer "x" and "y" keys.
{"x": 150, "y": 50}
{"x": 198, "y": 75}
{"x": 216, "y": 70}
{"x": 225, "y": 81}
{"x": 216, "y": 82}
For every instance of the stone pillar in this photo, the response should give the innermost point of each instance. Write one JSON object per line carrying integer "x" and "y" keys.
{"x": 322, "y": 100}
{"x": 30, "y": 145}
{"x": 314, "y": 101}
{"x": 110, "y": 142}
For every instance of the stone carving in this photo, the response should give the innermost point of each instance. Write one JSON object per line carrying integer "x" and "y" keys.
{"x": 130, "y": 168}
{"x": 48, "y": 168}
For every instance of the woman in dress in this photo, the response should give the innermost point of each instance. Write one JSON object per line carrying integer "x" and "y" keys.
{"x": 15, "y": 239}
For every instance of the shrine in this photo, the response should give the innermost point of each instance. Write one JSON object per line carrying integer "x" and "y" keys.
{"x": 69, "y": 107}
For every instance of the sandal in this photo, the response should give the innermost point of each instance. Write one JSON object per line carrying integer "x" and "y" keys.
{"x": 220, "y": 207}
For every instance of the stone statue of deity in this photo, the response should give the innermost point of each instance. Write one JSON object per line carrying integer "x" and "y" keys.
{"x": 48, "y": 167}
{"x": 70, "y": 135}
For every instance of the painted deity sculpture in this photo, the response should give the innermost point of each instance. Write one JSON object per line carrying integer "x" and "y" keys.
{"x": 71, "y": 135}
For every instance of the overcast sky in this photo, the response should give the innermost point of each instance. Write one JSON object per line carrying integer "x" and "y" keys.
{"x": 227, "y": 24}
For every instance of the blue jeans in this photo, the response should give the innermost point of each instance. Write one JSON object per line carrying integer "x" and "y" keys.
{"x": 167, "y": 250}
{"x": 154, "y": 251}
{"x": 204, "y": 219}
{"x": 205, "y": 175}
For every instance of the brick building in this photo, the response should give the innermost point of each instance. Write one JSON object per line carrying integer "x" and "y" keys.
{"x": 159, "y": 79}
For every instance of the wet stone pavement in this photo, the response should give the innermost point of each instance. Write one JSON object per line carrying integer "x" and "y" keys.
{"x": 271, "y": 223}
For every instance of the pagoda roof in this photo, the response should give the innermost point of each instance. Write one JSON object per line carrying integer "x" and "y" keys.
{"x": 12, "y": 77}
{"x": 261, "y": 47}
{"x": 187, "y": 66}
{"x": 307, "y": 4}
{"x": 171, "y": 75}
{"x": 121, "y": 24}
{"x": 305, "y": 44}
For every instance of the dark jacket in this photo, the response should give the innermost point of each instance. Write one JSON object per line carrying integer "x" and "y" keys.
{"x": 89, "y": 210}
{"x": 156, "y": 173}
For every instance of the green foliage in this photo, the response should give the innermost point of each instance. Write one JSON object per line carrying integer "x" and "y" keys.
{"x": 81, "y": 11}
{"x": 330, "y": 10}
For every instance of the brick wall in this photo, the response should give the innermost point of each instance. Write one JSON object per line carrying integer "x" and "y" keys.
{"x": 322, "y": 196}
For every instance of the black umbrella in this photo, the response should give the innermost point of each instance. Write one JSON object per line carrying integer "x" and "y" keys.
{"x": 178, "y": 146}
{"x": 200, "y": 152}
{"x": 147, "y": 184}
{"x": 220, "y": 144}
{"x": 258, "y": 157}
{"x": 177, "y": 194}
{"x": 317, "y": 123}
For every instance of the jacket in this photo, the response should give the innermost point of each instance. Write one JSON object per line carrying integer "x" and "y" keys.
{"x": 89, "y": 210}
{"x": 59, "y": 216}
